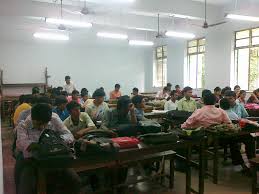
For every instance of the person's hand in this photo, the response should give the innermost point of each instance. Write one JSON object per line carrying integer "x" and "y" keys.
{"x": 32, "y": 147}
{"x": 79, "y": 134}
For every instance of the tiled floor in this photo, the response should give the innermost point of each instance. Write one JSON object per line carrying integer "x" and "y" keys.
{"x": 230, "y": 182}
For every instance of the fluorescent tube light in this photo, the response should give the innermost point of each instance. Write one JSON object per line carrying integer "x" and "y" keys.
{"x": 112, "y": 35}
{"x": 242, "y": 17}
{"x": 69, "y": 23}
{"x": 50, "y": 36}
{"x": 140, "y": 43}
{"x": 180, "y": 34}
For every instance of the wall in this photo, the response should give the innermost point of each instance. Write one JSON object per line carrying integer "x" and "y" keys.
{"x": 90, "y": 66}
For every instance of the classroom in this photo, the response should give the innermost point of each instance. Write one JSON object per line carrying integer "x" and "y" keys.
{"x": 129, "y": 96}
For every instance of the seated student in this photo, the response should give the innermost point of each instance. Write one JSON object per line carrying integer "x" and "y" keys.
{"x": 83, "y": 99}
{"x": 97, "y": 107}
{"x": 225, "y": 105}
{"x": 79, "y": 123}
{"x": 163, "y": 94}
{"x": 139, "y": 104}
{"x": 217, "y": 93}
{"x": 237, "y": 90}
{"x": 254, "y": 98}
{"x": 115, "y": 94}
{"x": 224, "y": 90}
{"x": 242, "y": 97}
{"x": 171, "y": 104}
{"x": 200, "y": 103}
{"x": 74, "y": 97}
{"x": 69, "y": 86}
{"x": 123, "y": 114}
{"x": 207, "y": 116}
{"x": 178, "y": 90}
{"x": 35, "y": 91}
{"x": 187, "y": 103}
{"x": 169, "y": 87}
{"x": 61, "y": 110}
{"x": 234, "y": 106}
{"x": 24, "y": 106}
{"x": 28, "y": 133}
{"x": 134, "y": 92}
{"x": 60, "y": 89}
{"x": 85, "y": 91}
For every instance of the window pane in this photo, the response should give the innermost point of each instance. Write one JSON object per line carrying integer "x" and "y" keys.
{"x": 193, "y": 70}
{"x": 242, "y": 68}
{"x": 242, "y": 34}
{"x": 165, "y": 50}
{"x": 202, "y": 49}
{"x": 201, "y": 42}
{"x": 192, "y": 50}
{"x": 159, "y": 55}
{"x": 255, "y": 32}
{"x": 255, "y": 41}
{"x": 242, "y": 42}
{"x": 201, "y": 71}
{"x": 192, "y": 43}
{"x": 254, "y": 63}
{"x": 159, "y": 49}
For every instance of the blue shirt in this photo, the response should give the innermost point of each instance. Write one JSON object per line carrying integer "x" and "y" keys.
{"x": 239, "y": 110}
{"x": 62, "y": 114}
{"x": 139, "y": 114}
{"x": 232, "y": 115}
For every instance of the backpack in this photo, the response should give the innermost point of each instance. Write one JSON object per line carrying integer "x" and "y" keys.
{"x": 179, "y": 116}
{"x": 149, "y": 126}
{"x": 159, "y": 138}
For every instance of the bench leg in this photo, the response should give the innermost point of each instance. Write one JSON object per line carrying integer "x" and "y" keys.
{"x": 171, "y": 176}
{"x": 188, "y": 171}
{"x": 254, "y": 179}
{"x": 215, "y": 161}
{"x": 202, "y": 162}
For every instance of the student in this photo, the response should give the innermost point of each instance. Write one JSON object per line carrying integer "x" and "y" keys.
{"x": 28, "y": 133}
{"x": 85, "y": 91}
{"x": 254, "y": 98}
{"x": 97, "y": 107}
{"x": 187, "y": 103}
{"x": 134, "y": 92}
{"x": 61, "y": 110}
{"x": 200, "y": 103}
{"x": 123, "y": 114}
{"x": 83, "y": 99}
{"x": 169, "y": 87}
{"x": 178, "y": 90}
{"x": 225, "y": 105}
{"x": 224, "y": 90}
{"x": 74, "y": 97}
{"x": 139, "y": 104}
{"x": 24, "y": 106}
{"x": 234, "y": 106}
{"x": 207, "y": 116}
{"x": 242, "y": 97}
{"x": 163, "y": 94}
{"x": 69, "y": 86}
{"x": 237, "y": 90}
{"x": 35, "y": 91}
{"x": 115, "y": 94}
{"x": 217, "y": 93}
{"x": 79, "y": 123}
{"x": 171, "y": 104}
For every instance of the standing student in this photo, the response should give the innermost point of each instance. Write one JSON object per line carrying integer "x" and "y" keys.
{"x": 242, "y": 97}
{"x": 69, "y": 86}
{"x": 74, "y": 97}
{"x": 187, "y": 103}
{"x": 115, "y": 94}
{"x": 217, "y": 93}
{"x": 163, "y": 94}
{"x": 254, "y": 98}
{"x": 237, "y": 90}
{"x": 139, "y": 104}
{"x": 171, "y": 104}
{"x": 79, "y": 123}
{"x": 61, "y": 110}
{"x": 134, "y": 92}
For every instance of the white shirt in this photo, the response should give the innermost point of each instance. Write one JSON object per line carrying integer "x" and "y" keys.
{"x": 69, "y": 87}
{"x": 170, "y": 105}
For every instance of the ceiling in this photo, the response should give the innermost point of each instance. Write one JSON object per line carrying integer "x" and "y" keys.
{"x": 19, "y": 19}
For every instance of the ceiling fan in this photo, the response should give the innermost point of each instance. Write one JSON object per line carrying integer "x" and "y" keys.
{"x": 84, "y": 11}
{"x": 159, "y": 34}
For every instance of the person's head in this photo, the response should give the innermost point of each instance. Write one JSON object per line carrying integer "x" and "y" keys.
{"x": 21, "y": 99}
{"x": 237, "y": 89}
{"x": 256, "y": 92}
{"x": 242, "y": 94}
{"x": 74, "y": 109}
{"x": 187, "y": 92}
{"x": 165, "y": 90}
{"x": 209, "y": 99}
{"x": 35, "y": 91}
{"x": 61, "y": 102}
{"x": 224, "y": 104}
{"x": 117, "y": 87}
{"x": 98, "y": 96}
{"x": 41, "y": 114}
{"x": 67, "y": 79}
{"x": 84, "y": 96}
{"x": 101, "y": 88}
{"x": 135, "y": 91}
{"x": 138, "y": 101}
{"x": 45, "y": 100}
{"x": 84, "y": 90}
{"x": 231, "y": 96}
{"x": 75, "y": 95}
{"x": 177, "y": 88}
{"x": 123, "y": 104}
{"x": 217, "y": 91}
{"x": 64, "y": 93}
{"x": 173, "y": 95}
{"x": 56, "y": 92}
{"x": 205, "y": 92}
{"x": 28, "y": 98}
{"x": 224, "y": 90}
{"x": 169, "y": 86}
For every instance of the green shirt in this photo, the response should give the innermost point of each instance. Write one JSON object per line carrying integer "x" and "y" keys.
{"x": 187, "y": 105}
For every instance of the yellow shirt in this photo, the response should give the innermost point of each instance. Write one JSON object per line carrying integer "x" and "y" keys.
{"x": 187, "y": 105}
{"x": 19, "y": 109}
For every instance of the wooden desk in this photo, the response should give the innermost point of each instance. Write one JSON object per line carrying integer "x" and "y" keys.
{"x": 124, "y": 157}
{"x": 253, "y": 112}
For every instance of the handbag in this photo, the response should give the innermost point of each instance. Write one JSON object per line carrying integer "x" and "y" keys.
{"x": 126, "y": 142}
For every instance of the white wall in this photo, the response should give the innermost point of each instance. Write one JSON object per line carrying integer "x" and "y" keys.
{"x": 90, "y": 66}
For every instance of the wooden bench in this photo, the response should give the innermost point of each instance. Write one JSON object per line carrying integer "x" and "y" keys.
{"x": 254, "y": 168}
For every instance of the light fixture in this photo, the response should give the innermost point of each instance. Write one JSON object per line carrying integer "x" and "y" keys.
{"x": 69, "y": 23}
{"x": 242, "y": 17}
{"x": 140, "y": 43}
{"x": 180, "y": 34}
{"x": 112, "y": 35}
{"x": 51, "y": 36}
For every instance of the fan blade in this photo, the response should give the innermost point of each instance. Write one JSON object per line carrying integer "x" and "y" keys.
{"x": 217, "y": 24}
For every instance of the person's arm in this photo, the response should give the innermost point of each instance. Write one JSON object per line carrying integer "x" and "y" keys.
{"x": 133, "y": 117}
{"x": 244, "y": 112}
{"x": 226, "y": 119}
{"x": 191, "y": 121}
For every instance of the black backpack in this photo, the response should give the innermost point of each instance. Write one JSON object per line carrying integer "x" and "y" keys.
{"x": 178, "y": 116}
{"x": 149, "y": 126}
{"x": 159, "y": 138}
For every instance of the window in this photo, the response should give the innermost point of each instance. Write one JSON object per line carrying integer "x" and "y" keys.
{"x": 246, "y": 64}
{"x": 160, "y": 67}
{"x": 196, "y": 63}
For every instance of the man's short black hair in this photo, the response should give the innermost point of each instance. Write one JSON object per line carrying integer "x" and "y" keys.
{"x": 99, "y": 93}
{"x": 237, "y": 86}
{"x": 166, "y": 88}
{"x": 137, "y": 99}
{"x": 169, "y": 85}
{"x": 44, "y": 99}
{"x": 84, "y": 90}
{"x": 60, "y": 88}
{"x": 60, "y": 100}
{"x": 123, "y": 102}
{"x": 64, "y": 93}
{"x": 173, "y": 92}
{"x": 28, "y": 98}
{"x": 242, "y": 92}
{"x": 205, "y": 92}
{"x": 177, "y": 86}
{"x": 35, "y": 90}
{"x": 21, "y": 99}
{"x": 135, "y": 89}
{"x": 41, "y": 112}
{"x": 230, "y": 93}
{"x": 224, "y": 90}
{"x": 67, "y": 77}
{"x": 209, "y": 99}
{"x": 75, "y": 92}
{"x": 217, "y": 89}
{"x": 224, "y": 104}
{"x": 84, "y": 94}
{"x": 186, "y": 89}
{"x": 71, "y": 105}
{"x": 117, "y": 85}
